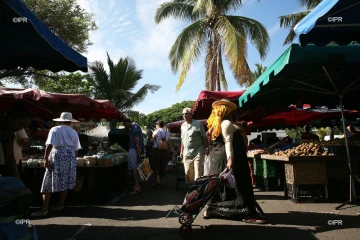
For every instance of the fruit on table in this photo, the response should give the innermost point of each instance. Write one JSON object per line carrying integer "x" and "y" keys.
{"x": 339, "y": 142}
{"x": 304, "y": 149}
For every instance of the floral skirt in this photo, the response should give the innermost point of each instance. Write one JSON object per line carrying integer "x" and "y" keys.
{"x": 61, "y": 175}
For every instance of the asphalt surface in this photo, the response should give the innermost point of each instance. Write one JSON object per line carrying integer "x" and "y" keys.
{"x": 143, "y": 216}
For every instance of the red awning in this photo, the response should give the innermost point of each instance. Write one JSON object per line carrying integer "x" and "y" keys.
{"x": 50, "y": 105}
{"x": 299, "y": 117}
{"x": 203, "y": 105}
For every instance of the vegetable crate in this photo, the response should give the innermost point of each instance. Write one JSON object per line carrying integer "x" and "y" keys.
{"x": 306, "y": 193}
{"x": 258, "y": 172}
{"x": 302, "y": 173}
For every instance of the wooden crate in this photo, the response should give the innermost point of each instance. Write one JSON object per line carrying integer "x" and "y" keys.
{"x": 302, "y": 173}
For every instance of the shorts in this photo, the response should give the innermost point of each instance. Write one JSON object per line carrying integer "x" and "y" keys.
{"x": 133, "y": 159}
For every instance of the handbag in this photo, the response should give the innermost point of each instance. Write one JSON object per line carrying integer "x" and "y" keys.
{"x": 145, "y": 170}
{"x": 228, "y": 178}
{"x": 163, "y": 143}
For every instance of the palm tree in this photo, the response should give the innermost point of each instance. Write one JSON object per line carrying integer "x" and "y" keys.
{"x": 259, "y": 69}
{"x": 118, "y": 84}
{"x": 217, "y": 33}
{"x": 290, "y": 21}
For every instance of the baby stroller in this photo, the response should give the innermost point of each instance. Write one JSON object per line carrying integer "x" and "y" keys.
{"x": 195, "y": 200}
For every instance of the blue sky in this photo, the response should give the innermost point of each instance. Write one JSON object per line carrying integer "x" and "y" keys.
{"x": 127, "y": 28}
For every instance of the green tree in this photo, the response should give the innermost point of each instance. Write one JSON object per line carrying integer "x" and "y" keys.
{"x": 168, "y": 115}
{"x": 259, "y": 69}
{"x": 119, "y": 83}
{"x": 289, "y": 21}
{"x": 217, "y": 33}
{"x": 73, "y": 83}
{"x": 137, "y": 117}
{"x": 67, "y": 20}
{"x": 294, "y": 132}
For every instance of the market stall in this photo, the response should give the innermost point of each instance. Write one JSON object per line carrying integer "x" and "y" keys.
{"x": 315, "y": 75}
{"x": 100, "y": 173}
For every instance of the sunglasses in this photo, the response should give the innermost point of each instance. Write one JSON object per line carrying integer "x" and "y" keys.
{"x": 184, "y": 114}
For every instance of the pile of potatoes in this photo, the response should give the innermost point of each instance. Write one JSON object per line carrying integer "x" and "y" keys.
{"x": 304, "y": 149}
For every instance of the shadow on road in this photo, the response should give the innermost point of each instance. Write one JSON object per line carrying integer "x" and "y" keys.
{"x": 60, "y": 232}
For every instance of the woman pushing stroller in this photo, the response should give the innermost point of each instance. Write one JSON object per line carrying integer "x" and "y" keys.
{"x": 229, "y": 151}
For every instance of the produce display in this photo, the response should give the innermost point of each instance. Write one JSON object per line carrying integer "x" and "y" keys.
{"x": 116, "y": 148}
{"x": 304, "y": 149}
{"x": 33, "y": 163}
{"x": 340, "y": 142}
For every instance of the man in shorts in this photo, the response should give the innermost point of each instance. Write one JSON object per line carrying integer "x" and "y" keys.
{"x": 136, "y": 147}
{"x": 194, "y": 146}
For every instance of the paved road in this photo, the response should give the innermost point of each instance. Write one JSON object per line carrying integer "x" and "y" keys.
{"x": 142, "y": 216}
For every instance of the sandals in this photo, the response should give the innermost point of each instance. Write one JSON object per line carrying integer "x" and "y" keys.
{"x": 39, "y": 214}
{"x": 208, "y": 215}
{"x": 57, "y": 209}
{"x": 135, "y": 191}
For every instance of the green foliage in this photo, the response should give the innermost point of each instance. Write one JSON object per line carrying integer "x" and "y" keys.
{"x": 68, "y": 21}
{"x": 290, "y": 20}
{"x": 168, "y": 115}
{"x": 259, "y": 69}
{"x": 74, "y": 83}
{"x": 119, "y": 83}
{"x": 137, "y": 117}
{"x": 295, "y": 132}
{"x": 322, "y": 132}
{"x": 212, "y": 30}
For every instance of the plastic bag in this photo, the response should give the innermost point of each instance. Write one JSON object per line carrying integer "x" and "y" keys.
{"x": 228, "y": 178}
{"x": 145, "y": 170}
{"x": 207, "y": 165}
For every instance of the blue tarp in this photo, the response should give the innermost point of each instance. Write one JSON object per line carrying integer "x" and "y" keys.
{"x": 331, "y": 21}
{"x": 27, "y": 42}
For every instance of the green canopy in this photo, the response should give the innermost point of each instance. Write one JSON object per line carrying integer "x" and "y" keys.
{"x": 311, "y": 75}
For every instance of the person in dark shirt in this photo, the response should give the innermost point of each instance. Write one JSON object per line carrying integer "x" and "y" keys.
{"x": 257, "y": 140}
{"x": 307, "y": 135}
{"x": 14, "y": 120}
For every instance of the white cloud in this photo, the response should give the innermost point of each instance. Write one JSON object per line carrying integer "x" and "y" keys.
{"x": 153, "y": 47}
{"x": 274, "y": 29}
{"x": 112, "y": 4}
{"x": 126, "y": 23}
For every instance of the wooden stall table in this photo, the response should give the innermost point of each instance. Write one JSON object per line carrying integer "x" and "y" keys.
{"x": 305, "y": 174}
{"x": 98, "y": 182}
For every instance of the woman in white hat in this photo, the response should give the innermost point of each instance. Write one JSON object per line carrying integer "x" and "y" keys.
{"x": 62, "y": 146}
{"x": 229, "y": 151}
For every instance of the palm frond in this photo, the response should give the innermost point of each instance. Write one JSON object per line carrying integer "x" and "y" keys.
{"x": 131, "y": 75}
{"x": 291, "y": 20}
{"x": 204, "y": 7}
{"x": 140, "y": 95}
{"x": 309, "y": 4}
{"x": 180, "y": 48}
{"x": 234, "y": 45}
{"x": 101, "y": 79}
{"x": 192, "y": 55}
{"x": 253, "y": 30}
{"x": 180, "y": 9}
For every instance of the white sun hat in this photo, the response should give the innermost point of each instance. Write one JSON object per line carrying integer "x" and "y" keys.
{"x": 65, "y": 117}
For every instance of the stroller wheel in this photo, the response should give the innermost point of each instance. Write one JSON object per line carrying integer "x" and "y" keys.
{"x": 185, "y": 219}
{"x": 185, "y": 231}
